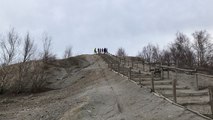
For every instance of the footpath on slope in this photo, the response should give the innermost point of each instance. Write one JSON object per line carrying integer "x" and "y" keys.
{"x": 95, "y": 93}
{"x": 117, "y": 98}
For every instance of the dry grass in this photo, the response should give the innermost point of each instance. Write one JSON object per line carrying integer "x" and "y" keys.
{"x": 23, "y": 77}
{"x": 33, "y": 76}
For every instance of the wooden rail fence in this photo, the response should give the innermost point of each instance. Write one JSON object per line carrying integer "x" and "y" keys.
{"x": 137, "y": 71}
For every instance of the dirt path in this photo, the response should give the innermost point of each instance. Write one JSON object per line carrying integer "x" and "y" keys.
{"x": 93, "y": 93}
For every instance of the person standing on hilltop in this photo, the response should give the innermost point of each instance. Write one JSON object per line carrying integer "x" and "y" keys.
{"x": 104, "y": 50}
{"x": 95, "y": 51}
{"x": 98, "y": 50}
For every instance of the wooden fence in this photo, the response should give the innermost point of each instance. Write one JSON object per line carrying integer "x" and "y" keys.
{"x": 136, "y": 69}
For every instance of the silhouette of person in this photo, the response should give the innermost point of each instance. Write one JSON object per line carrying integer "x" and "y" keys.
{"x": 95, "y": 52}
{"x": 98, "y": 50}
{"x": 104, "y": 50}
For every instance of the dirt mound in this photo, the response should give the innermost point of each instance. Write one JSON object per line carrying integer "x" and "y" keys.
{"x": 85, "y": 89}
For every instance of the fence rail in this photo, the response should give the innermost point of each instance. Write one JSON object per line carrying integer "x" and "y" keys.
{"x": 155, "y": 76}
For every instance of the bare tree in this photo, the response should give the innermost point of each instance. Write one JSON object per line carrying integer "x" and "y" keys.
{"x": 28, "y": 48}
{"x": 181, "y": 50}
{"x": 156, "y": 54}
{"x": 47, "y": 54}
{"x": 203, "y": 47}
{"x": 9, "y": 47}
{"x": 121, "y": 52}
{"x": 190, "y": 57}
{"x": 148, "y": 52}
{"x": 23, "y": 70}
{"x": 166, "y": 57}
{"x": 27, "y": 75}
{"x": 68, "y": 52}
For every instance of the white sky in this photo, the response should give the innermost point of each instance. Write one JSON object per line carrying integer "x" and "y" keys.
{"x": 86, "y": 24}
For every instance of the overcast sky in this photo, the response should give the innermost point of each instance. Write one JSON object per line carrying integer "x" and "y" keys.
{"x": 86, "y": 24}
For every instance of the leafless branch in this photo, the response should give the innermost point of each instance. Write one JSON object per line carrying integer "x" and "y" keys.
{"x": 68, "y": 52}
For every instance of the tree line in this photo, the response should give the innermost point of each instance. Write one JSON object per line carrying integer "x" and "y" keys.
{"x": 182, "y": 52}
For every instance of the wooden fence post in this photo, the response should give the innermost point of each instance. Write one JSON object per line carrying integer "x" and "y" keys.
{"x": 149, "y": 66}
{"x": 196, "y": 82}
{"x": 130, "y": 73}
{"x": 168, "y": 73}
{"x": 162, "y": 74}
{"x": 211, "y": 98}
{"x": 143, "y": 66}
{"x": 174, "y": 87}
{"x": 137, "y": 64}
{"x": 132, "y": 64}
{"x": 118, "y": 68}
{"x": 122, "y": 71}
{"x": 140, "y": 77}
{"x": 152, "y": 83}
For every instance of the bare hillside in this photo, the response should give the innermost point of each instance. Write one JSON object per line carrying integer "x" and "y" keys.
{"x": 83, "y": 88}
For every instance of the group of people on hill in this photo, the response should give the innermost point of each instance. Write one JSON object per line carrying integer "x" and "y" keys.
{"x": 100, "y": 50}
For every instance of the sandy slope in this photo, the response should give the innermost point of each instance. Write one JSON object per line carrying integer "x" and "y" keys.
{"x": 92, "y": 93}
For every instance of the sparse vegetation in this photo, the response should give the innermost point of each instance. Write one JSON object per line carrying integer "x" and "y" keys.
{"x": 121, "y": 52}
{"x": 68, "y": 52}
{"x": 47, "y": 54}
{"x": 203, "y": 48}
{"x": 9, "y": 47}
{"x": 182, "y": 52}
{"x": 21, "y": 69}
